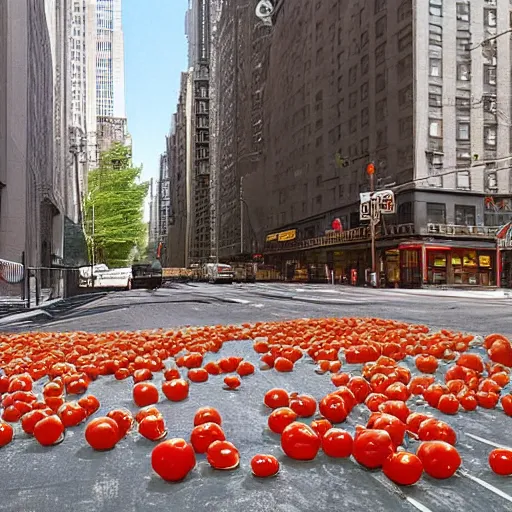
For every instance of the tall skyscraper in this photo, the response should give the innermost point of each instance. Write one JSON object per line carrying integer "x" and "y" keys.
{"x": 104, "y": 48}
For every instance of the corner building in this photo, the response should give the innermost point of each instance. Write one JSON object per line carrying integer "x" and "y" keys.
{"x": 421, "y": 88}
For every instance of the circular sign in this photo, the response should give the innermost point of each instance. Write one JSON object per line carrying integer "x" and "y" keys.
{"x": 370, "y": 169}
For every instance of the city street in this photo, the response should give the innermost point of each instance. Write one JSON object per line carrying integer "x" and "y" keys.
{"x": 71, "y": 476}
{"x": 204, "y": 304}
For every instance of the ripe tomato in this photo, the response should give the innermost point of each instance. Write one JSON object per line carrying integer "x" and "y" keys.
{"x": 403, "y": 468}
{"x": 142, "y": 375}
{"x": 264, "y": 466}
{"x": 300, "y": 442}
{"x": 420, "y": 383}
{"x": 468, "y": 400}
{"x": 245, "y": 368}
{"x": 487, "y": 400}
{"x": 232, "y": 382}
{"x": 340, "y": 379}
{"x": 426, "y": 364}
{"x": 303, "y": 405}
{"x": 102, "y": 433}
{"x": 280, "y": 418}
{"x": 501, "y": 352}
{"x": 374, "y": 400}
{"x": 337, "y": 443}
{"x": 175, "y": 390}
{"x": 173, "y": 460}
{"x": 171, "y": 374}
{"x": 90, "y": 403}
{"x": 276, "y": 397}
{"x": 223, "y": 455}
{"x": 151, "y": 410}
{"x": 11, "y": 414}
{"x": 145, "y": 393}
{"x": 448, "y": 404}
{"x": 207, "y": 415}
{"x": 348, "y": 397}
{"x": 281, "y": 364}
{"x": 204, "y": 435}
{"x": 49, "y": 430}
{"x": 471, "y": 361}
{"x": 440, "y": 460}
{"x": 506, "y": 403}
{"x": 391, "y": 424}
{"x": 360, "y": 388}
{"x": 333, "y": 408}
{"x": 123, "y": 418}
{"x": 198, "y": 375}
{"x": 321, "y": 426}
{"x": 372, "y": 447}
{"x": 71, "y": 414}
{"x": 415, "y": 419}
{"x": 500, "y": 461}
{"x": 433, "y": 429}
{"x": 395, "y": 408}
{"x": 29, "y": 420}
{"x": 152, "y": 428}
{"x": 122, "y": 373}
{"x": 6, "y": 434}
{"x": 433, "y": 394}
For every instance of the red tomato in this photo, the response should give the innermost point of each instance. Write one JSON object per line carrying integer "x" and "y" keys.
{"x": 372, "y": 448}
{"x": 360, "y": 387}
{"x": 123, "y": 418}
{"x": 471, "y": 361}
{"x": 280, "y": 418}
{"x": 175, "y": 390}
{"x": 71, "y": 414}
{"x": 414, "y": 421}
{"x": 142, "y": 374}
{"x": 204, "y": 435}
{"x": 333, "y": 408}
{"x": 395, "y": 408}
{"x": 420, "y": 383}
{"x": 281, "y": 364}
{"x": 506, "y": 403}
{"x": 468, "y": 401}
{"x": 448, "y": 404}
{"x": 426, "y": 364}
{"x": 29, "y": 420}
{"x": 151, "y": 410}
{"x": 440, "y": 460}
{"x": 303, "y": 405}
{"x": 223, "y": 455}
{"x": 145, "y": 393}
{"x": 198, "y": 375}
{"x": 264, "y": 466}
{"x": 49, "y": 430}
{"x": 487, "y": 400}
{"x": 232, "y": 382}
{"x": 122, "y": 374}
{"x": 207, "y": 415}
{"x": 300, "y": 442}
{"x": 102, "y": 433}
{"x": 391, "y": 424}
{"x": 436, "y": 430}
{"x": 500, "y": 461}
{"x": 11, "y": 414}
{"x": 321, "y": 426}
{"x": 501, "y": 352}
{"x": 90, "y": 403}
{"x": 276, "y": 397}
{"x": 434, "y": 393}
{"x": 403, "y": 468}
{"x": 340, "y": 379}
{"x": 6, "y": 434}
{"x": 348, "y": 397}
{"x": 374, "y": 400}
{"x": 172, "y": 373}
{"x": 152, "y": 428}
{"x": 173, "y": 460}
{"x": 337, "y": 443}
{"x": 245, "y": 368}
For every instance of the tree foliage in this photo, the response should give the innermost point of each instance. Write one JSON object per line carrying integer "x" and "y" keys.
{"x": 115, "y": 200}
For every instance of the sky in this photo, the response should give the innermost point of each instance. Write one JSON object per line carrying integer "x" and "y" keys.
{"x": 155, "y": 55}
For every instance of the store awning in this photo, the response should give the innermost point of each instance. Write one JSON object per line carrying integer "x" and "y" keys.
{"x": 447, "y": 245}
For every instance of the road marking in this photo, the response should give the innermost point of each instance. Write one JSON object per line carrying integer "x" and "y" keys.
{"x": 489, "y": 487}
{"x": 417, "y": 504}
{"x": 485, "y": 441}
{"x": 239, "y": 301}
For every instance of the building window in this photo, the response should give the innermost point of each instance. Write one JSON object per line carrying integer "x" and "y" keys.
{"x": 364, "y": 117}
{"x": 380, "y": 54}
{"x": 435, "y": 35}
{"x": 462, "y": 104}
{"x": 435, "y": 100}
{"x": 436, "y": 68}
{"x": 490, "y": 17}
{"x": 380, "y": 82}
{"x": 364, "y": 91}
{"x": 490, "y": 136}
{"x": 436, "y": 213}
{"x": 404, "y": 39}
{"x": 365, "y": 62}
{"x": 464, "y": 71}
{"x": 405, "y": 213}
{"x": 465, "y": 215}
{"x": 435, "y": 128}
{"x": 352, "y": 75}
{"x": 381, "y": 110}
{"x": 490, "y": 74}
{"x": 352, "y": 99}
{"x": 379, "y": 5}
{"x": 491, "y": 180}
{"x": 380, "y": 27}
{"x": 352, "y": 124}
{"x": 365, "y": 144}
{"x": 463, "y": 131}
{"x": 405, "y": 96}
{"x": 462, "y": 11}
{"x": 464, "y": 181}
{"x": 464, "y": 43}
{"x": 436, "y": 7}
{"x": 404, "y": 67}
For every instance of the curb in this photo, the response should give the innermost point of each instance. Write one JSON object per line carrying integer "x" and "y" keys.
{"x": 29, "y": 315}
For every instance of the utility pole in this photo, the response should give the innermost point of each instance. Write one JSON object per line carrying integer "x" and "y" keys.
{"x": 370, "y": 170}
{"x": 241, "y": 214}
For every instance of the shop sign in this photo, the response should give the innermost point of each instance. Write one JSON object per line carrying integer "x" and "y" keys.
{"x": 272, "y": 237}
{"x": 285, "y": 236}
{"x": 484, "y": 261}
{"x": 504, "y": 237}
{"x": 376, "y": 204}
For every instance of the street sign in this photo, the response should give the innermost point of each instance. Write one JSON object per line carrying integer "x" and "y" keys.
{"x": 386, "y": 201}
{"x": 375, "y": 204}
{"x": 365, "y": 206}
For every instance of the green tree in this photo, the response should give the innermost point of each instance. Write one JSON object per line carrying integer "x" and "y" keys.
{"x": 114, "y": 208}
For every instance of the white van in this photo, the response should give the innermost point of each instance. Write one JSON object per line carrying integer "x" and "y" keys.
{"x": 218, "y": 273}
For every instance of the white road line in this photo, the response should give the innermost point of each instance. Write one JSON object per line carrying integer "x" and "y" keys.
{"x": 485, "y": 441}
{"x": 489, "y": 487}
{"x": 239, "y": 301}
{"x": 417, "y": 504}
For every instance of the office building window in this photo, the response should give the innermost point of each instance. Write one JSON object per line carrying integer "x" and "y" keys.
{"x": 463, "y": 131}
{"x": 490, "y": 136}
{"x": 435, "y": 100}
{"x": 435, "y": 128}
{"x": 462, "y": 11}
{"x": 464, "y": 71}
{"x": 436, "y": 7}
{"x": 435, "y": 37}
{"x": 490, "y": 75}
{"x": 436, "y": 68}
{"x": 464, "y": 182}
{"x": 465, "y": 215}
{"x": 436, "y": 213}
{"x": 490, "y": 17}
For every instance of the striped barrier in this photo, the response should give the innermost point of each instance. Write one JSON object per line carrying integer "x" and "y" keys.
{"x": 10, "y": 272}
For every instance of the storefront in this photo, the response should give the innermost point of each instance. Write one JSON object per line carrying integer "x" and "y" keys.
{"x": 504, "y": 252}
{"x": 451, "y": 264}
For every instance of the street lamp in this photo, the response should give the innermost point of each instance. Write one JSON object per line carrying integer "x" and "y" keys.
{"x": 370, "y": 170}
{"x": 76, "y": 148}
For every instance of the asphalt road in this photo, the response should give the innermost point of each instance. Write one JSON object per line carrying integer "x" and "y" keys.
{"x": 71, "y": 476}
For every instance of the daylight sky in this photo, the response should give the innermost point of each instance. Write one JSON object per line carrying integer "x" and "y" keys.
{"x": 155, "y": 55}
